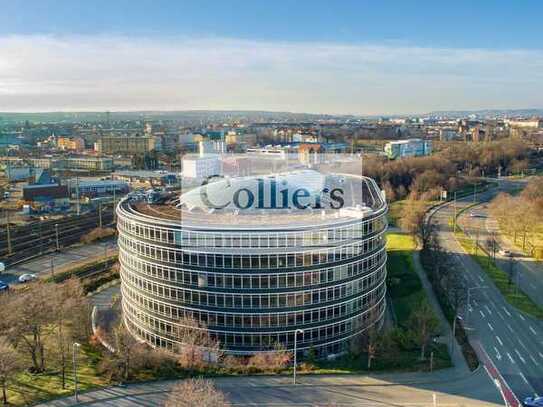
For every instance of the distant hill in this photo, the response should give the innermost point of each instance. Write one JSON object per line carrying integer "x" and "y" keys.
{"x": 488, "y": 113}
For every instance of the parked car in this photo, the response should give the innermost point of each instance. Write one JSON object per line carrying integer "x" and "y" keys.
{"x": 505, "y": 253}
{"x": 3, "y": 286}
{"x": 25, "y": 278}
{"x": 533, "y": 402}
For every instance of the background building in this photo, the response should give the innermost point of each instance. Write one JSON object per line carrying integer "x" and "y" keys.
{"x": 128, "y": 145}
{"x": 408, "y": 148}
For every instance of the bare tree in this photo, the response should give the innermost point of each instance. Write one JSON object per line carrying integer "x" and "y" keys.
{"x": 10, "y": 364}
{"x": 27, "y": 320}
{"x": 196, "y": 393}
{"x": 197, "y": 347}
{"x": 424, "y": 324}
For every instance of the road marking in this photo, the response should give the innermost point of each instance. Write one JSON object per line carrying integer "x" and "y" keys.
{"x": 475, "y": 303}
{"x": 533, "y": 330}
{"x": 481, "y": 279}
{"x": 520, "y": 356}
{"x": 482, "y": 313}
{"x": 490, "y": 326}
{"x": 498, "y": 356}
{"x": 521, "y": 317}
{"x": 500, "y": 314}
{"x": 488, "y": 309}
{"x": 524, "y": 378}
{"x": 533, "y": 360}
{"x": 507, "y": 312}
{"x": 510, "y": 357}
{"x": 499, "y": 340}
{"x": 541, "y": 355}
{"x": 533, "y": 286}
{"x": 511, "y": 329}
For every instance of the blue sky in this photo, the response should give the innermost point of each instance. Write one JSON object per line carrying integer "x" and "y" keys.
{"x": 362, "y": 57}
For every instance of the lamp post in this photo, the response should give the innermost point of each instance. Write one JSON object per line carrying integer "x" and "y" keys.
{"x": 296, "y": 332}
{"x": 75, "y": 346}
{"x": 454, "y": 330}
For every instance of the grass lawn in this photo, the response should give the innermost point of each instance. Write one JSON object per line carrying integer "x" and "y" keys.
{"x": 404, "y": 286}
{"x": 515, "y": 297}
{"x": 30, "y": 388}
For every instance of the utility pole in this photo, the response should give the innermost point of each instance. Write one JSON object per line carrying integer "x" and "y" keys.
{"x": 52, "y": 267}
{"x": 8, "y": 233}
{"x": 77, "y": 195}
{"x": 100, "y": 215}
{"x": 114, "y": 206}
{"x": 56, "y": 237}
{"x": 454, "y": 220}
{"x": 296, "y": 332}
{"x": 75, "y": 346}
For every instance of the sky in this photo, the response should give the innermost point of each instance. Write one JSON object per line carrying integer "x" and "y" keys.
{"x": 338, "y": 57}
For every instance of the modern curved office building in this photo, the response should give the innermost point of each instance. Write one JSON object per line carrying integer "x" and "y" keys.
{"x": 257, "y": 260}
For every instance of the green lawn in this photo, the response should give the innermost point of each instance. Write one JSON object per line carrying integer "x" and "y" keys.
{"x": 404, "y": 286}
{"x": 30, "y": 388}
{"x": 513, "y": 296}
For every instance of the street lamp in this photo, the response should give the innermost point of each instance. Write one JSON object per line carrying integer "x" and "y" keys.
{"x": 296, "y": 332}
{"x": 75, "y": 346}
{"x": 454, "y": 330}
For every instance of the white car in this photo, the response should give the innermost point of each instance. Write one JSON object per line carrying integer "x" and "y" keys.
{"x": 25, "y": 278}
{"x": 505, "y": 253}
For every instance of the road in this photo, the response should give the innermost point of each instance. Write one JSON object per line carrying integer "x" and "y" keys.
{"x": 400, "y": 390}
{"x": 530, "y": 272}
{"x": 505, "y": 339}
{"x": 56, "y": 261}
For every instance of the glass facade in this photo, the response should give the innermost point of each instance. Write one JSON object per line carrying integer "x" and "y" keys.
{"x": 253, "y": 288}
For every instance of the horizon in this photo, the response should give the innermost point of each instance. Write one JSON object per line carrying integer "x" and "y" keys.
{"x": 361, "y": 59}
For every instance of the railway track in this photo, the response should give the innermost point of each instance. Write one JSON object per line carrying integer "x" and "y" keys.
{"x": 41, "y": 236}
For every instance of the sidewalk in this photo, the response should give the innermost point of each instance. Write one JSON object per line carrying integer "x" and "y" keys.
{"x": 458, "y": 360}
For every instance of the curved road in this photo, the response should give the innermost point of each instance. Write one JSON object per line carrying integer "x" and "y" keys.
{"x": 506, "y": 339}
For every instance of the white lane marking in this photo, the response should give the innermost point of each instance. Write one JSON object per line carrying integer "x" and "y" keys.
{"x": 488, "y": 309}
{"x": 520, "y": 356}
{"x": 535, "y": 361}
{"x": 521, "y": 317}
{"x": 475, "y": 303}
{"x": 524, "y": 378}
{"x": 541, "y": 355}
{"x": 522, "y": 344}
{"x": 511, "y": 329}
{"x": 500, "y": 314}
{"x": 498, "y": 356}
{"x": 481, "y": 279}
{"x": 482, "y": 313}
{"x": 533, "y": 330}
{"x": 510, "y": 357}
{"x": 490, "y": 326}
{"x": 507, "y": 312}
{"x": 499, "y": 340}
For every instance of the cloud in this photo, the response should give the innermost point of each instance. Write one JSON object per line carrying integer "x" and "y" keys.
{"x": 44, "y": 73}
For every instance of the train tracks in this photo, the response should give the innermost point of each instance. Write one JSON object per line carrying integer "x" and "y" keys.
{"x": 44, "y": 236}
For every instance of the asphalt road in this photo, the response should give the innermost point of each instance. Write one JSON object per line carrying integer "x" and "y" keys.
{"x": 527, "y": 272}
{"x": 48, "y": 263}
{"x": 509, "y": 340}
{"x": 401, "y": 390}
